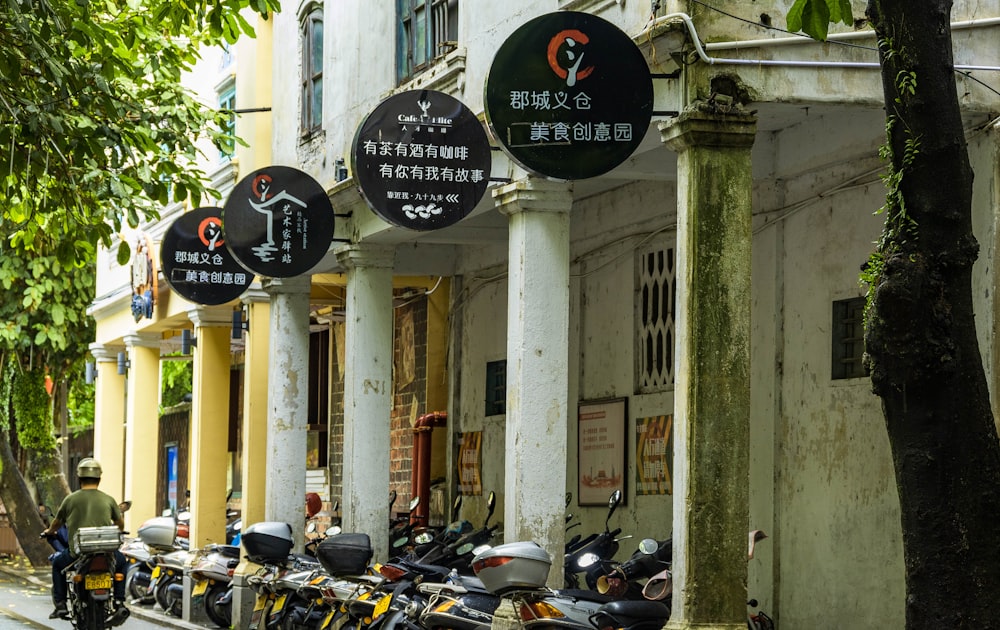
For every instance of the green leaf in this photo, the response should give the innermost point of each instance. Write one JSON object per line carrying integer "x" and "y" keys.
{"x": 812, "y": 17}
{"x": 124, "y": 253}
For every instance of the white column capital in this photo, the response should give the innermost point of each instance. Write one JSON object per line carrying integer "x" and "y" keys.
{"x": 204, "y": 316}
{"x": 359, "y": 256}
{"x": 105, "y": 353}
{"x": 532, "y": 193}
{"x": 695, "y": 128}
{"x": 255, "y": 294}
{"x": 143, "y": 340}
{"x": 295, "y": 284}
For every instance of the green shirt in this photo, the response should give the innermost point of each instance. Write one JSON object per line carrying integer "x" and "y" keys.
{"x": 88, "y": 507}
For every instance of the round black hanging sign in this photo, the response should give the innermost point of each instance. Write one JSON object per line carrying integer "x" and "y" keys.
{"x": 278, "y": 222}
{"x": 569, "y": 96}
{"x": 196, "y": 263}
{"x": 422, "y": 160}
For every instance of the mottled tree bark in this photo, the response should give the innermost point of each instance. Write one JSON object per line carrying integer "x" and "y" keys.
{"x": 921, "y": 335}
{"x": 22, "y": 510}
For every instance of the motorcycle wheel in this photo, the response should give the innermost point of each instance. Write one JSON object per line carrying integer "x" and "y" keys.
{"x": 94, "y": 616}
{"x": 135, "y": 591}
{"x": 219, "y": 614}
{"x": 160, "y": 592}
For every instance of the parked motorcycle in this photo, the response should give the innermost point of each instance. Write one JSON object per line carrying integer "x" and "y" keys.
{"x": 90, "y": 579}
{"x": 212, "y": 575}
{"x": 156, "y": 536}
{"x": 592, "y": 555}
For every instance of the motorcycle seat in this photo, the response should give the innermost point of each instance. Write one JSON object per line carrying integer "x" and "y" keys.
{"x": 628, "y": 611}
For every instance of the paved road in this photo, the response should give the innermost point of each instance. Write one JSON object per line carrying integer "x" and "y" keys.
{"x": 27, "y": 605}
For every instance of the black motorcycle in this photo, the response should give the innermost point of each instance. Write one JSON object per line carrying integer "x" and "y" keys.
{"x": 90, "y": 579}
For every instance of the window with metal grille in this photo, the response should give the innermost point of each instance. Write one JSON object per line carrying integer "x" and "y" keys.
{"x": 656, "y": 299}
{"x": 426, "y": 30}
{"x": 496, "y": 388}
{"x": 312, "y": 68}
{"x": 848, "y": 338}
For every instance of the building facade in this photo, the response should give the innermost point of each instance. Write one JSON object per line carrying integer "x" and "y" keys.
{"x": 699, "y": 300}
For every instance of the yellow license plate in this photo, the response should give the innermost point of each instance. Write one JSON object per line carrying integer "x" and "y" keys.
{"x": 260, "y": 603}
{"x": 279, "y": 603}
{"x": 97, "y": 581}
{"x": 199, "y": 588}
{"x": 381, "y": 606}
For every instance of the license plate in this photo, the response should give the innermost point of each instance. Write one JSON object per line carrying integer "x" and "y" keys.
{"x": 199, "y": 588}
{"x": 97, "y": 581}
{"x": 260, "y": 603}
{"x": 381, "y": 606}
{"x": 279, "y": 603}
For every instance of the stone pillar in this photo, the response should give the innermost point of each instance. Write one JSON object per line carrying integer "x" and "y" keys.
{"x": 142, "y": 427}
{"x": 109, "y": 419}
{"x": 712, "y": 388}
{"x": 537, "y": 364}
{"x": 367, "y": 392}
{"x": 255, "y": 378}
{"x": 287, "y": 403}
{"x": 208, "y": 452}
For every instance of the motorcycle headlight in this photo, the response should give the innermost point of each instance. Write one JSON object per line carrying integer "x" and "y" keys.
{"x": 587, "y": 560}
{"x": 423, "y": 538}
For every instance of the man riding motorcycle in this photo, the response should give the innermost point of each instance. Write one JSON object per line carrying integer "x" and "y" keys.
{"x": 87, "y": 507}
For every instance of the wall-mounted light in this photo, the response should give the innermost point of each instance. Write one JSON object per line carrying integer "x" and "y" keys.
{"x": 188, "y": 341}
{"x": 123, "y": 363}
{"x": 239, "y": 324}
{"x": 89, "y": 372}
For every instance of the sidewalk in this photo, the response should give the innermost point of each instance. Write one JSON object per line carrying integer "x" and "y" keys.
{"x": 18, "y": 568}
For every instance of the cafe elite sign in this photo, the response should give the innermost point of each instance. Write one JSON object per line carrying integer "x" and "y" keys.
{"x": 569, "y": 96}
{"x": 421, "y": 160}
{"x": 278, "y": 222}
{"x": 196, "y": 263}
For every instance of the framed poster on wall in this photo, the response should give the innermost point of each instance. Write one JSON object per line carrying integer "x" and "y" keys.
{"x": 601, "y": 450}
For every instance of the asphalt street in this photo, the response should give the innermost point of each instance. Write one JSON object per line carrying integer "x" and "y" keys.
{"x": 25, "y": 602}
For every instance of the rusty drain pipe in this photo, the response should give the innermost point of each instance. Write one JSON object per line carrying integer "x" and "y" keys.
{"x": 422, "y": 433}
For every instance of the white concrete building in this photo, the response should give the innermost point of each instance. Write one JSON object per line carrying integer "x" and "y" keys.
{"x": 710, "y": 281}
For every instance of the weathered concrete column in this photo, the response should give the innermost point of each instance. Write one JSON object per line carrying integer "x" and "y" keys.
{"x": 712, "y": 388}
{"x": 109, "y": 419}
{"x": 209, "y": 453}
{"x": 367, "y": 392}
{"x": 255, "y": 377}
{"x": 287, "y": 403}
{"x": 537, "y": 364}
{"x": 142, "y": 427}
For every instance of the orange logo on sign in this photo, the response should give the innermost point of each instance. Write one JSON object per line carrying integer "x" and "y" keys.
{"x": 567, "y": 42}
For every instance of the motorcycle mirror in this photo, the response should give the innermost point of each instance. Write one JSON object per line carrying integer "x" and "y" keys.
{"x": 414, "y": 502}
{"x": 392, "y": 498}
{"x": 569, "y": 498}
{"x": 311, "y": 527}
{"x": 455, "y": 505}
{"x": 464, "y": 549}
{"x": 125, "y": 505}
{"x": 332, "y": 531}
{"x": 336, "y": 506}
{"x": 400, "y": 542}
{"x": 648, "y": 546}
{"x": 613, "y": 502}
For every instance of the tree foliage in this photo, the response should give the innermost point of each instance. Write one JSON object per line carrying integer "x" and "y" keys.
{"x": 96, "y": 130}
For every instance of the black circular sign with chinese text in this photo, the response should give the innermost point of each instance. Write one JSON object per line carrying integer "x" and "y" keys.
{"x": 569, "y": 96}
{"x": 196, "y": 263}
{"x": 421, "y": 160}
{"x": 278, "y": 222}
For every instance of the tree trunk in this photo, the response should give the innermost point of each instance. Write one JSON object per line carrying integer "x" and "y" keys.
{"x": 22, "y": 509}
{"x": 921, "y": 335}
{"x": 45, "y": 467}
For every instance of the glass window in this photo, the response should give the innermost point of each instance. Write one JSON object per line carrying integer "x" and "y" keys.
{"x": 426, "y": 30}
{"x": 312, "y": 70}
{"x": 496, "y": 388}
